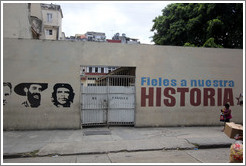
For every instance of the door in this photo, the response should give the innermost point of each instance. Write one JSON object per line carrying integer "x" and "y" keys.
{"x": 109, "y": 100}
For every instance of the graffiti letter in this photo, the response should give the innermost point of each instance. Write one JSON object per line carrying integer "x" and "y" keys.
{"x": 182, "y": 95}
{"x": 228, "y": 96}
{"x": 144, "y": 97}
{"x": 166, "y": 94}
{"x": 208, "y": 94}
{"x": 198, "y": 97}
{"x": 158, "y": 97}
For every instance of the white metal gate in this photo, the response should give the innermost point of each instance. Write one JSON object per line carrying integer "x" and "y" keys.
{"x": 109, "y": 100}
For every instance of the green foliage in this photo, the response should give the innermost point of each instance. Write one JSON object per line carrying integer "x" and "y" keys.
{"x": 210, "y": 43}
{"x": 205, "y": 24}
{"x": 189, "y": 45}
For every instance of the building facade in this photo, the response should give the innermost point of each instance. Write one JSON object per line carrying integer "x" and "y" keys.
{"x": 90, "y": 74}
{"x": 52, "y": 22}
{"x": 123, "y": 39}
{"x": 32, "y": 21}
{"x": 95, "y": 36}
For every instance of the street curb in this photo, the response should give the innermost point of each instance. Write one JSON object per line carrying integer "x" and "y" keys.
{"x": 214, "y": 146}
{"x": 35, "y": 153}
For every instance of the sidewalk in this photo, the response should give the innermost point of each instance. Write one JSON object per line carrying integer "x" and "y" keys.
{"x": 109, "y": 140}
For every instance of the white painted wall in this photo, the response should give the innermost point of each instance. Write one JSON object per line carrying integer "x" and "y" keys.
{"x": 52, "y": 62}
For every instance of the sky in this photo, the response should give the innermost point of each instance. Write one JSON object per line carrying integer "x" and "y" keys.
{"x": 135, "y": 19}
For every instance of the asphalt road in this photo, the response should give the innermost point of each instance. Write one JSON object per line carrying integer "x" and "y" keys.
{"x": 218, "y": 155}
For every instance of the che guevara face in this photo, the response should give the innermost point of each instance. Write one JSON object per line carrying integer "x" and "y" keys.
{"x": 62, "y": 95}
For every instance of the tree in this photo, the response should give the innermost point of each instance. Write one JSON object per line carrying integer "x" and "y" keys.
{"x": 200, "y": 24}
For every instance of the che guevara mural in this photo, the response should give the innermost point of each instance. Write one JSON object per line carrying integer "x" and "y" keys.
{"x": 31, "y": 93}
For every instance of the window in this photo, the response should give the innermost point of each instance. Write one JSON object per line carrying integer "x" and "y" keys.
{"x": 102, "y": 70}
{"x": 49, "y": 32}
{"x": 49, "y": 17}
{"x": 96, "y": 69}
{"x": 90, "y": 69}
{"x": 90, "y": 78}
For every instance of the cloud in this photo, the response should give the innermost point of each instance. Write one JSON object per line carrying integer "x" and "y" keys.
{"x": 133, "y": 19}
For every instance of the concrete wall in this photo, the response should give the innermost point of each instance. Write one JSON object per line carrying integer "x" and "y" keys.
{"x": 16, "y": 21}
{"x": 36, "y": 10}
{"x": 172, "y": 103}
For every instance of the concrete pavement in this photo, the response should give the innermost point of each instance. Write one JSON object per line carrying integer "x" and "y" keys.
{"x": 215, "y": 155}
{"x": 104, "y": 140}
